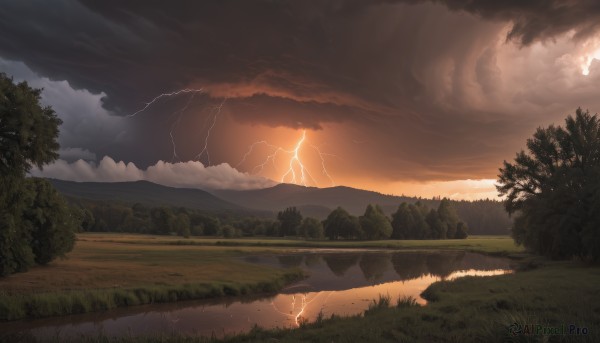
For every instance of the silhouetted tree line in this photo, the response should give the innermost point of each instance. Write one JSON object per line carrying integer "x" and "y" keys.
{"x": 410, "y": 221}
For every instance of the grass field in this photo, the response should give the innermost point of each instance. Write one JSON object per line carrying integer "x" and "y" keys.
{"x": 496, "y": 245}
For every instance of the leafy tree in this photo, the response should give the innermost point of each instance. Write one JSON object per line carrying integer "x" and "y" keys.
{"x": 340, "y": 224}
{"x": 182, "y": 225}
{"x": 28, "y": 137}
{"x": 28, "y": 131}
{"x": 210, "y": 225}
{"x": 449, "y": 217}
{"x": 50, "y": 220}
{"x": 375, "y": 224}
{"x": 436, "y": 226}
{"x": 290, "y": 220}
{"x": 272, "y": 228}
{"x": 462, "y": 231}
{"x": 420, "y": 229}
{"x": 311, "y": 228}
{"x": 402, "y": 222}
{"x": 162, "y": 220}
{"x": 553, "y": 189}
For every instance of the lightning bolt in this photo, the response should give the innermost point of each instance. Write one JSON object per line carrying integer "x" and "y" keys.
{"x": 296, "y": 160}
{"x": 324, "y": 169}
{"x": 216, "y": 110}
{"x": 303, "y": 306}
{"x": 296, "y": 172}
{"x": 213, "y": 114}
{"x": 176, "y": 123}
{"x": 166, "y": 95}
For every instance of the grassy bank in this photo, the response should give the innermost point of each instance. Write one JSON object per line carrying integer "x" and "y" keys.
{"x": 493, "y": 245}
{"x": 470, "y": 309}
{"x": 103, "y": 275}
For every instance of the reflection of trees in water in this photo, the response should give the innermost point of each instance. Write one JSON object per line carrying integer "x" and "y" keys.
{"x": 409, "y": 266}
{"x": 312, "y": 260}
{"x": 414, "y": 265}
{"x": 443, "y": 264}
{"x": 289, "y": 261}
{"x": 340, "y": 263}
{"x": 374, "y": 266}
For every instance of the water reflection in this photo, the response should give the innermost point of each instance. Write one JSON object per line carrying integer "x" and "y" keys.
{"x": 374, "y": 266}
{"x": 340, "y": 283}
{"x": 340, "y": 263}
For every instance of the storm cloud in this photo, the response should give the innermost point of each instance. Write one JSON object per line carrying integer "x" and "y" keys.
{"x": 441, "y": 90}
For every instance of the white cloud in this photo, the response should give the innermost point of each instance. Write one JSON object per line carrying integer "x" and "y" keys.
{"x": 191, "y": 174}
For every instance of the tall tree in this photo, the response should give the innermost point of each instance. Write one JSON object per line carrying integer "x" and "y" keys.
{"x": 340, "y": 224}
{"x": 553, "y": 189}
{"x": 181, "y": 225}
{"x": 436, "y": 226}
{"x": 449, "y": 217}
{"x": 290, "y": 220}
{"x": 375, "y": 224}
{"x": 311, "y": 228}
{"x": 28, "y": 137}
{"x": 402, "y": 222}
{"x": 420, "y": 229}
{"x": 51, "y": 222}
{"x": 163, "y": 220}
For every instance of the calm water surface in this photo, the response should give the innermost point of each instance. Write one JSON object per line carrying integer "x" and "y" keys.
{"x": 339, "y": 283}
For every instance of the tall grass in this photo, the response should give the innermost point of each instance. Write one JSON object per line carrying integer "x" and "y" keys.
{"x": 406, "y": 301}
{"x": 37, "y": 305}
{"x": 382, "y": 302}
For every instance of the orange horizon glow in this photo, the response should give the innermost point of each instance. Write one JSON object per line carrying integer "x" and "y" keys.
{"x": 293, "y": 156}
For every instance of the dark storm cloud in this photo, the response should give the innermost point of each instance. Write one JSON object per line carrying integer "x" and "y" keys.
{"x": 536, "y": 19}
{"x": 398, "y": 69}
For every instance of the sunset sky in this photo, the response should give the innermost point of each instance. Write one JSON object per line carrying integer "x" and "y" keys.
{"x": 410, "y": 97}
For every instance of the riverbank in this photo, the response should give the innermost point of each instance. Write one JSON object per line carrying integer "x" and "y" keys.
{"x": 556, "y": 302}
{"x": 99, "y": 276}
{"x": 107, "y": 271}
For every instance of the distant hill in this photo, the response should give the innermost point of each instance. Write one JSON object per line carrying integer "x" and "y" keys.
{"x": 483, "y": 217}
{"x": 143, "y": 192}
{"x": 284, "y": 195}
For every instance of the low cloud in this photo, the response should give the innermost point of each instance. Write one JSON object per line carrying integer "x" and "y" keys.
{"x": 191, "y": 174}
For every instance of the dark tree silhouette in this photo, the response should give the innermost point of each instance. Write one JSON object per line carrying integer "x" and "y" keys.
{"x": 311, "y": 228}
{"x": 375, "y": 224}
{"x": 51, "y": 223}
{"x": 28, "y": 137}
{"x": 340, "y": 224}
{"x": 290, "y": 220}
{"x": 553, "y": 189}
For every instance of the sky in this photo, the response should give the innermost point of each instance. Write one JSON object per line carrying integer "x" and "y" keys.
{"x": 423, "y": 98}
